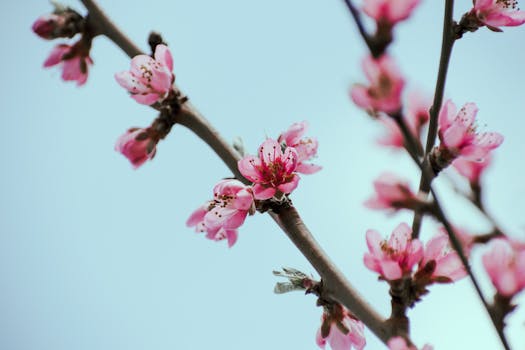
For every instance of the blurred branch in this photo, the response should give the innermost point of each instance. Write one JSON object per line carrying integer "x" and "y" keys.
{"x": 286, "y": 217}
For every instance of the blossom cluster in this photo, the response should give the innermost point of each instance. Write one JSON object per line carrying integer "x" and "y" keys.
{"x": 273, "y": 174}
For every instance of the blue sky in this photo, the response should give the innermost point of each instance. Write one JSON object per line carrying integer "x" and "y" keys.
{"x": 95, "y": 255}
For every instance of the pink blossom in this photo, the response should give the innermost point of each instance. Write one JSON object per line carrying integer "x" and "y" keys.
{"x": 386, "y": 84}
{"x": 497, "y": 13}
{"x": 505, "y": 265}
{"x": 220, "y": 218}
{"x": 418, "y": 107}
{"x": 396, "y": 257}
{"x": 135, "y": 145}
{"x": 392, "y": 192}
{"x": 74, "y": 60}
{"x": 306, "y": 147}
{"x": 440, "y": 261}
{"x": 344, "y": 331}
{"x": 389, "y": 11}
{"x": 273, "y": 172}
{"x": 466, "y": 239}
{"x": 470, "y": 169}
{"x": 398, "y": 343}
{"x": 149, "y": 80}
{"x": 46, "y": 26}
{"x": 459, "y": 136}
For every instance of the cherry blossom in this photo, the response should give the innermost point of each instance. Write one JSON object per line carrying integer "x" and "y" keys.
{"x": 136, "y": 145}
{"x": 386, "y": 84}
{"x": 440, "y": 263}
{"x": 459, "y": 136}
{"x": 306, "y": 147}
{"x": 273, "y": 172}
{"x": 396, "y": 257}
{"x": 389, "y": 11}
{"x": 150, "y": 79}
{"x": 505, "y": 265}
{"x": 417, "y": 115}
{"x": 340, "y": 330}
{"x": 472, "y": 170}
{"x": 393, "y": 192}
{"x": 220, "y": 217}
{"x": 74, "y": 61}
{"x": 393, "y": 136}
{"x": 398, "y": 343}
{"x": 498, "y": 13}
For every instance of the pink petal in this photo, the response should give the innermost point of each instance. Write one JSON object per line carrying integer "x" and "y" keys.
{"x": 261, "y": 193}
{"x": 146, "y": 99}
{"x": 249, "y": 167}
{"x": 288, "y": 187}
{"x": 269, "y": 151}
{"x": 163, "y": 55}
{"x": 391, "y": 270}
{"x": 308, "y": 169}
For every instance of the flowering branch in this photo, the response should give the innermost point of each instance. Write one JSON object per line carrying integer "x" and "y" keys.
{"x": 286, "y": 216}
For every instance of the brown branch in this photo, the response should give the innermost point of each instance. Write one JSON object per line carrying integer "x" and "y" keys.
{"x": 287, "y": 218}
{"x": 446, "y": 51}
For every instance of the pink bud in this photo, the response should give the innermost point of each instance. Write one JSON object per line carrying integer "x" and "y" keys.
{"x": 46, "y": 26}
{"x": 136, "y": 145}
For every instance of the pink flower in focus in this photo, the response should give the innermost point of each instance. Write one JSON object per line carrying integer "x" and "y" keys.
{"x": 306, "y": 147}
{"x": 149, "y": 80}
{"x": 396, "y": 257}
{"x": 136, "y": 145}
{"x": 498, "y": 13}
{"x": 46, "y": 26}
{"x": 386, "y": 84}
{"x": 273, "y": 171}
{"x": 74, "y": 59}
{"x": 470, "y": 169}
{"x": 398, "y": 343}
{"x": 458, "y": 134}
{"x": 440, "y": 261}
{"x": 341, "y": 331}
{"x": 389, "y": 11}
{"x": 505, "y": 265}
{"x": 392, "y": 192}
{"x": 220, "y": 218}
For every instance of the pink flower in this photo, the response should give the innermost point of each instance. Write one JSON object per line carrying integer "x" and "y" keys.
{"x": 497, "y": 13}
{"x": 440, "y": 261}
{"x": 47, "y": 26}
{"x": 418, "y": 107}
{"x": 273, "y": 172}
{"x": 389, "y": 11}
{"x": 341, "y": 330}
{"x": 392, "y": 192}
{"x": 396, "y": 257}
{"x": 306, "y": 147}
{"x": 137, "y": 146}
{"x": 458, "y": 134}
{"x": 398, "y": 343}
{"x": 470, "y": 169}
{"x": 393, "y": 136}
{"x": 505, "y": 265}
{"x": 74, "y": 59}
{"x": 386, "y": 84}
{"x": 220, "y": 218}
{"x": 149, "y": 80}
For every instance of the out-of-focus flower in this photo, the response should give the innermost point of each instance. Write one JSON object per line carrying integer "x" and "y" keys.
{"x": 306, "y": 147}
{"x": 505, "y": 265}
{"x": 273, "y": 172}
{"x": 472, "y": 170}
{"x": 74, "y": 60}
{"x": 440, "y": 263}
{"x": 392, "y": 192}
{"x": 149, "y": 80}
{"x": 340, "y": 330}
{"x": 386, "y": 84}
{"x": 136, "y": 145}
{"x": 389, "y": 11}
{"x": 396, "y": 257}
{"x": 393, "y": 136}
{"x": 398, "y": 343}
{"x": 498, "y": 13}
{"x": 417, "y": 115}
{"x": 220, "y": 217}
{"x": 459, "y": 136}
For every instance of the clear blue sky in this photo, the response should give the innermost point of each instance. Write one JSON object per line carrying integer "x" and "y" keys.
{"x": 95, "y": 255}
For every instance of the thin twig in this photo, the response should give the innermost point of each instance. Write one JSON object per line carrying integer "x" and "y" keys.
{"x": 446, "y": 50}
{"x": 287, "y": 218}
{"x": 357, "y": 19}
